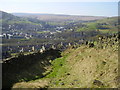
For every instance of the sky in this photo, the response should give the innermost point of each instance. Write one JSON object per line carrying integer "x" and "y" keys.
{"x": 69, "y": 7}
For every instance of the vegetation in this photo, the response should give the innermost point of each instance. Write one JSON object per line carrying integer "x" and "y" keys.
{"x": 88, "y": 66}
{"x": 84, "y": 51}
{"x": 75, "y": 74}
{"x": 27, "y": 67}
{"x": 109, "y": 25}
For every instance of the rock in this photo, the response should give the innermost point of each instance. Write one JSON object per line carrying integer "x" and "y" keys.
{"x": 98, "y": 83}
{"x": 61, "y": 83}
{"x": 90, "y": 71}
{"x": 59, "y": 79}
{"x": 61, "y": 64}
{"x": 75, "y": 80}
{"x": 86, "y": 43}
{"x": 91, "y": 45}
{"x": 115, "y": 70}
{"x": 68, "y": 73}
{"x": 54, "y": 83}
{"x": 103, "y": 62}
{"x": 72, "y": 84}
{"x": 89, "y": 56}
{"x": 101, "y": 74}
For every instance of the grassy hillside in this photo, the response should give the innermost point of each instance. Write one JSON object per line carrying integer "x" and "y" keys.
{"x": 59, "y": 17}
{"x": 11, "y": 19}
{"x": 26, "y": 67}
{"x": 82, "y": 67}
{"x": 85, "y": 68}
{"x": 11, "y": 22}
{"x": 107, "y": 25}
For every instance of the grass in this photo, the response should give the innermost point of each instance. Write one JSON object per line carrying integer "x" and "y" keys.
{"x": 107, "y": 26}
{"x": 79, "y": 68}
{"x": 40, "y": 83}
{"x": 58, "y": 69}
{"x": 84, "y": 65}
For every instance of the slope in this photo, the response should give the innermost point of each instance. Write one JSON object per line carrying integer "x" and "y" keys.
{"x": 107, "y": 25}
{"x": 59, "y": 17}
{"x": 85, "y": 68}
{"x": 82, "y": 67}
{"x": 13, "y": 23}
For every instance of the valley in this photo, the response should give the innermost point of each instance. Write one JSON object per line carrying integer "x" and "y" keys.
{"x": 27, "y": 31}
{"x": 59, "y": 51}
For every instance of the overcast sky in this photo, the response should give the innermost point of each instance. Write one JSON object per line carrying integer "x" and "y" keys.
{"x": 71, "y": 7}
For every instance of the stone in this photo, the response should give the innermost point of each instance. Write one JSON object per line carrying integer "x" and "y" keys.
{"x": 61, "y": 83}
{"x": 68, "y": 73}
{"x": 103, "y": 62}
{"x": 98, "y": 83}
{"x": 91, "y": 45}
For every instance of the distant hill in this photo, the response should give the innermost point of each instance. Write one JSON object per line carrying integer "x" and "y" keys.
{"x": 38, "y": 21}
{"x": 11, "y": 22}
{"x": 24, "y": 14}
{"x": 58, "y": 17}
{"x": 106, "y": 25}
{"x": 7, "y": 16}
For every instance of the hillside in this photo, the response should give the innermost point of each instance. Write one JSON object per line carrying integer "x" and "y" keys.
{"x": 89, "y": 62}
{"x": 26, "y": 67}
{"x": 107, "y": 25}
{"x": 85, "y": 66}
{"x": 80, "y": 68}
{"x": 41, "y": 22}
{"x": 59, "y": 17}
{"x": 13, "y": 23}
{"x": 36, "y": 23}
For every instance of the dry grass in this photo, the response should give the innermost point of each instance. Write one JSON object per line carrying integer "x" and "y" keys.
{"x": 83, "y": 68}
{"x": 89, "y": 64}
{"x": 32, "y": 84}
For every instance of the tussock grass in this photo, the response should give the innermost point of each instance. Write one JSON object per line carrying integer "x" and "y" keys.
{"x": 83, "y": 67}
